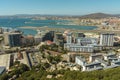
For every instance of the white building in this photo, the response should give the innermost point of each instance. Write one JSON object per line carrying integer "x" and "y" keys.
{"x": 110, "y": 56}
{"x": 107, "y": 39}
{"x": 111, "y": 66}
{"x": 80, "y": 61}
{"x": 37, "y": 39}
{"x": 81, "y": 44}
{"x": 77, "y": 48}
{"x": 85, "y": 41}
{"x": 92, "y": 66}
{"x": 69, "y": 38}
{"x": 92, "y": 57}
{"x": 115, "y": 62}
{"x": 103, "y": 63}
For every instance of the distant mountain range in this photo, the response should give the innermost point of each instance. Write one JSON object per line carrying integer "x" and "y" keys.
{"x": 98, "y": 15}
{"x": 91, "y": 16}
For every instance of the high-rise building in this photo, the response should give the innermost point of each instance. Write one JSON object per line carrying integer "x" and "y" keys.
{"x": 59, "y": 39}
{"x": 37, "y": 39}
{"x": 107, "y": 39}
{"x": 69, "y": 38}
{"x": 15, "y": 39}
{"x": 12, "y": 39}
{"x": 48, "y": 36}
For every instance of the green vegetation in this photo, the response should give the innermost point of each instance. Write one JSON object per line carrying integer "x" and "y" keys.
{"x": 110, "y": 74}
{"x": 39, "y": 72}
{"x": 4, "y": 76}
{"x": 55, "y": 59}
{"x": 15, "y": 71}
{"x": 53, "y": 47}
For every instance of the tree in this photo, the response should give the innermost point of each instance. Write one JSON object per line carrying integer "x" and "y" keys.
{"x": 46, "y": 65}
{"x": 57, "y": 58}
{"x": 50, "y": 58}
{"x": 16, "y": 63}
{"x": 24, "y": 67}
{"x": 4, "y": 77}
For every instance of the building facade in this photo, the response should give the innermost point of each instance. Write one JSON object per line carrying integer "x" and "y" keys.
{"x": 14, "y": 39}
{"x": 69, "y": 38}
{"x": 107, "y": 39}
{"x": 80, "y": 61}
{"x": 81, "y": 44}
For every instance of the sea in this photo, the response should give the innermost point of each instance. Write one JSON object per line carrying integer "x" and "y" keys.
{"x": 16, "y": 23}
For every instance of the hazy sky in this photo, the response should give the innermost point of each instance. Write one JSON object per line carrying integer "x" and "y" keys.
{"x": 70, "y": 7}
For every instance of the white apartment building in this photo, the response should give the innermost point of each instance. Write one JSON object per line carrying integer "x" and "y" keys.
{"x": 107, "y": 39}
{"x": 81, "y": 44}
{"x": 69, "y": 38}
{"x": 80, "y": 61}
{"x": 92, "y": 66}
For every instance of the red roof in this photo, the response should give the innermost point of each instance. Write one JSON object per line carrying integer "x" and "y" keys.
{"x": 49, "y": 42}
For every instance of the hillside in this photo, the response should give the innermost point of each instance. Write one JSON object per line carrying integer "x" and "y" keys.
{"x": 109, "y": 74}
{"x": 97, "y": 16}
{"x": 39, "y": 72}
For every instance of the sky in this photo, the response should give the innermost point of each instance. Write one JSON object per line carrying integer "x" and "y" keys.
{"x": 59, "y": 7}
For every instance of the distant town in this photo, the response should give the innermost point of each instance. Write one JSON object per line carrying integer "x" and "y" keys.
{"x": 61, "y": 49}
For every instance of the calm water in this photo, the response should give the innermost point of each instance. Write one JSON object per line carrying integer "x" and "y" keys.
{"x": 16, "y": 23}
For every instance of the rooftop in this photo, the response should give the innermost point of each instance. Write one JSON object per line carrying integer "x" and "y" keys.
{"x": 5, "y": 60}
{"x": 107, "y": 33}
{"x": 116, "y": 62}
{"x": 93, "y": 63}
{"x": 110, "y": 54}
{"x": 97, "y": 68}
{"x": 102, "y": 61}
{"x": 112, "y": 66}
{"x": 94, "y": 55}
{"x": 80, "y": 58}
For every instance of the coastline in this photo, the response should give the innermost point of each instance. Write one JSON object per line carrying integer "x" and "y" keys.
{"x": 31, "y": 27}
{"x": 97, "y": 30}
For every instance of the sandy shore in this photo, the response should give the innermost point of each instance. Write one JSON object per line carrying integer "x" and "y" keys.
{"x": 27, "y": 27}
{"x": 32, "y": 27}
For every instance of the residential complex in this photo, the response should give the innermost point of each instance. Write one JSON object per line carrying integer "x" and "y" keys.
{"x": 79, "y": 51}
{"x": 81, "y": 44}
{"x": 98, "y": 61}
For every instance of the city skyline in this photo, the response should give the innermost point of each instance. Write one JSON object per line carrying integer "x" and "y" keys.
{"x": 59, "y": 7}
